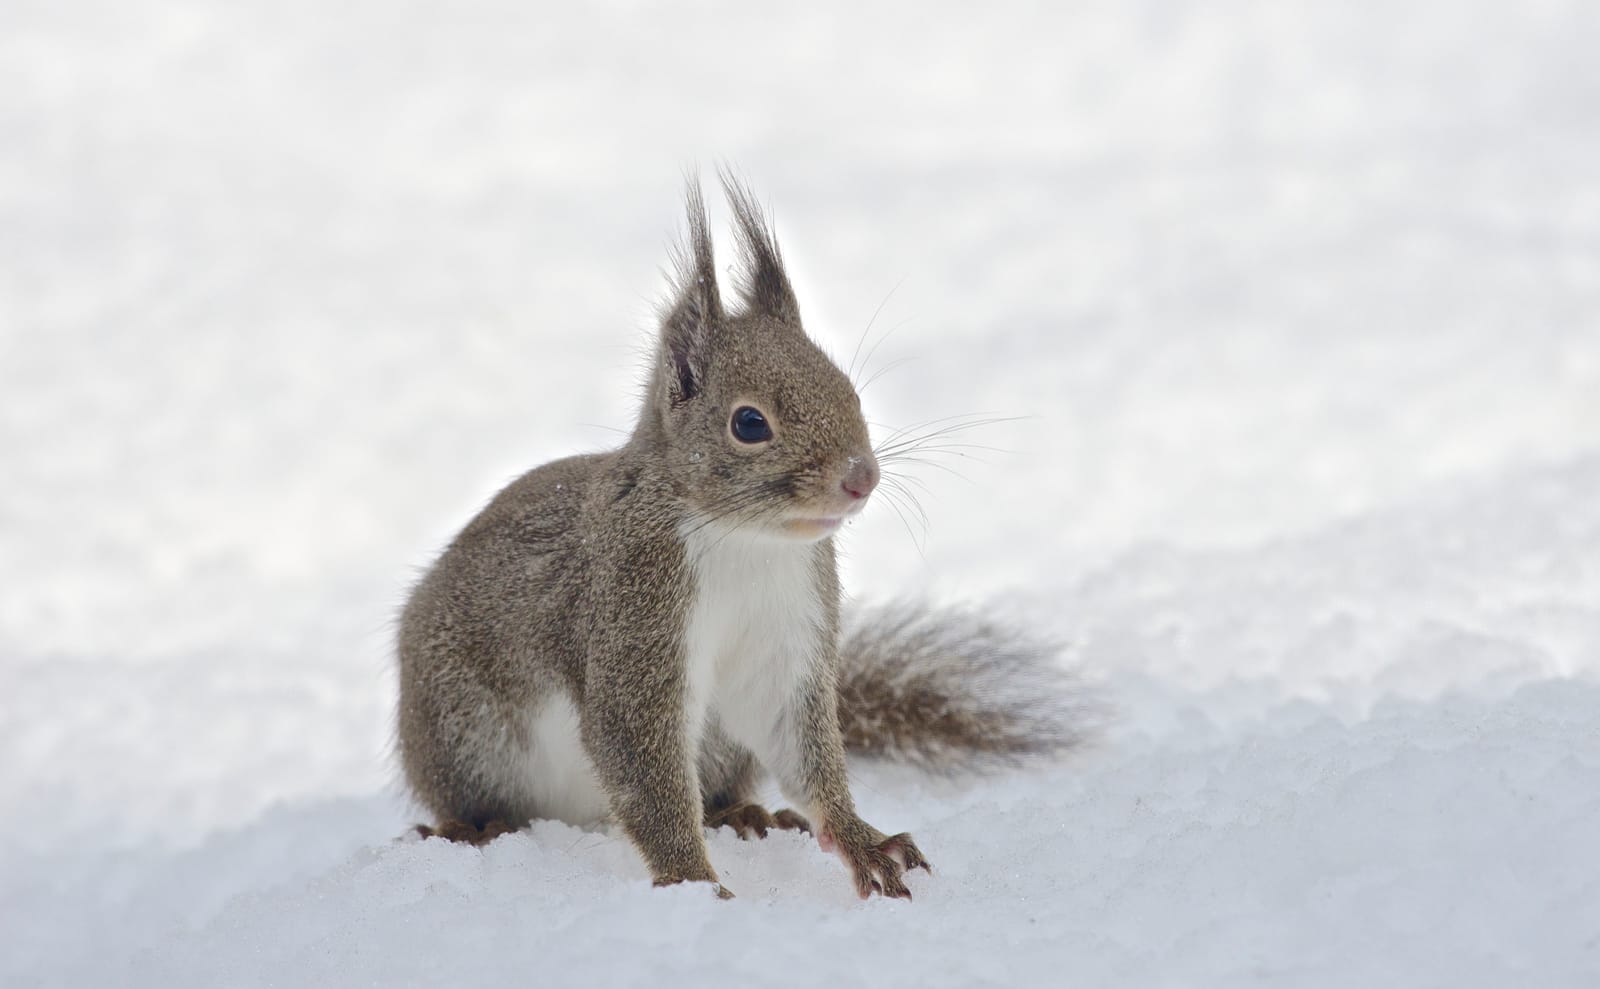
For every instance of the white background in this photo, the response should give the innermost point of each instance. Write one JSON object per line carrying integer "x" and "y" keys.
{"x": 1301, "y": 303}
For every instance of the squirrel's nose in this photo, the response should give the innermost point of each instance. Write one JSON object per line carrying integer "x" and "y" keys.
{"x": 860, "y": 477}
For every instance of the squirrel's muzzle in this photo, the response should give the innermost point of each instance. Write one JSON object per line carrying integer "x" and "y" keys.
{"x": 860, "y": 477}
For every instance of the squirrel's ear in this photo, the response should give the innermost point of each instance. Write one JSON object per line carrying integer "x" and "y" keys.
{"x": 763, "y": 285}
{"x": 696, "y": 306}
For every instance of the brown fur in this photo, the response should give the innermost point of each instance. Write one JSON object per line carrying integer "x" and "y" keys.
{"x": 467, "y": 834}
{"x": 952, "y": 691}
{"x": 577, "y": 583}
{"x": 749, "y": 819}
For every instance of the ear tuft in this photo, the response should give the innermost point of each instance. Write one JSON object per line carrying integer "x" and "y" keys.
{"x": 763, "y": 284}
{"x": 696, "y": 304}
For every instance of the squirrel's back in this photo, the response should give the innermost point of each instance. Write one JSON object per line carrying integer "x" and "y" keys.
{"x": 510, "y": 570}
{"x": 489, "y": 629}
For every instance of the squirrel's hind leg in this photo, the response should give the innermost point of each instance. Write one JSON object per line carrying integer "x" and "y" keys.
{"x": 466, "y": 832}
{"x": 748, "y": 819}
{"x": 466, "y": 761}
{"x": 729, "y": 777}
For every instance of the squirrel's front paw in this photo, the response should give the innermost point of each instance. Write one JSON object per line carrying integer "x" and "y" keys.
{"x": 876, "y": 862}
{"x": 723, "y": 892}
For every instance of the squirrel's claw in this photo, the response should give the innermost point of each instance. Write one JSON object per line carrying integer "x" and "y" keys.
{"x": 750, "y": 818}
{"x": 789, "y": 820}
{"x": 723, "y": 892}
{"x": 906, "y": 852}
{"x": 878, "y": 863}
{"x": 466, "y": 832}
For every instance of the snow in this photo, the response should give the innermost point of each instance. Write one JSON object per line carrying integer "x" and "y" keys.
{"x": 1299, "y": 303}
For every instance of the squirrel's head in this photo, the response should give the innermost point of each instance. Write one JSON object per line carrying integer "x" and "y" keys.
{"x": 759, "y": 428}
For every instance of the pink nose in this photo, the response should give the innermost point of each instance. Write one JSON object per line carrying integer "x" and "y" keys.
{"x": 860, "y": 477}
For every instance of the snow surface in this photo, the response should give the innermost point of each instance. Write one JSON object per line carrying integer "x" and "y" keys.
{"x": 1302, "y": 301}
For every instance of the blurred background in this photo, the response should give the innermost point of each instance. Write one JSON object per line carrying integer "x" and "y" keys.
{"x": 289, "y": 289}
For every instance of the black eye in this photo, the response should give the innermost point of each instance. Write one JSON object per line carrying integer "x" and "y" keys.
{"x": 750, "y": 426}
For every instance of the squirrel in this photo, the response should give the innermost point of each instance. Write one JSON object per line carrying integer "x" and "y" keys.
{"x": 636, "y": 636}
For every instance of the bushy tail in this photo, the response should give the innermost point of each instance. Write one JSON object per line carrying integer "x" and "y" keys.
{"x": 952, "y": 691}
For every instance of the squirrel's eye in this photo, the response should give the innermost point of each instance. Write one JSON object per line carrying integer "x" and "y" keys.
{"x": 750, "y": 426}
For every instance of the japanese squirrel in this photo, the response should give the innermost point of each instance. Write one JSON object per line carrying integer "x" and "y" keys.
{"x": 636, "y": 635}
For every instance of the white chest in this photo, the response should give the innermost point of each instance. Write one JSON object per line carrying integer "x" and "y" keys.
{"x": 753, "y": 636}
{"x": 754, "y": 629}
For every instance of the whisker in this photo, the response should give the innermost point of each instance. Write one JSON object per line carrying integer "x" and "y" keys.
{"x": 867, "y": 361}
{"x": 767, "y": 498}
{"x": 915, "y": 529}
{"x": 904, "y": 478}
{"x": 851, "y": 374}
{"x": 945, "y": 427}
{"x": 936, "y": 445}
{"x": 885, "y": 370}
{"x": 919, "y": 456}
{"x": 928, "y": 444}
{"x": 936, "y": 466}
{"x": 898, "y": 483}
{"x": 893, "y": 500}
{"x": 901, "y": 482}
{"x": 735, "y": 503}
{"x": 956, "y": 423}
{"x": 896, "y": 501}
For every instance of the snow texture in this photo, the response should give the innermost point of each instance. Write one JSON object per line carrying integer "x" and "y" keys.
{"x": 1300, "y": 302}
